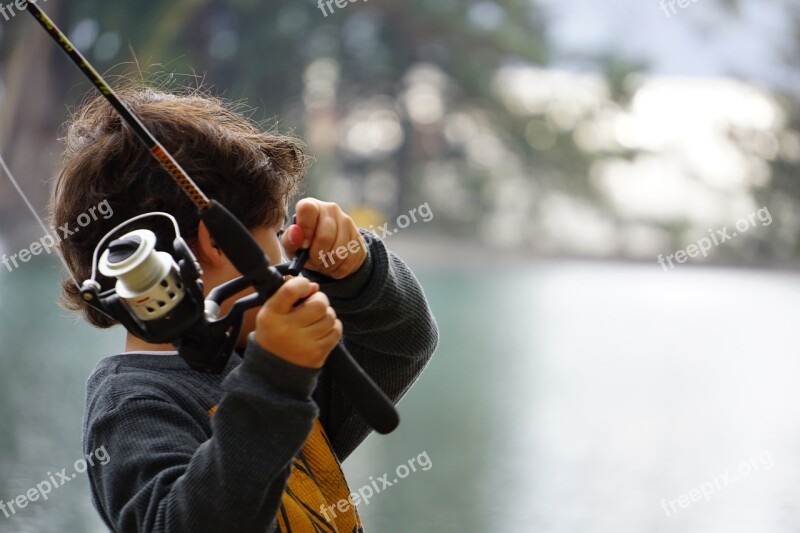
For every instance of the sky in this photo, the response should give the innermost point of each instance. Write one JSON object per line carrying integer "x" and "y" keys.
{"x": 702, "y": 39}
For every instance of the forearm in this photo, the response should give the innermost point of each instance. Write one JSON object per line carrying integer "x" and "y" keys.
{"x": 389, "y": 329}
{"x": 165, "y": 477}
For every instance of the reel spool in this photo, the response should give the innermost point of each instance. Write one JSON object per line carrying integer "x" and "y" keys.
{"x": 155, "y": 297}
{"x": 147, "y": 280}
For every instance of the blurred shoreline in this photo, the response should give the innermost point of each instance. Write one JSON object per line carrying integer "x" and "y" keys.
{"x": 436, "y": 252}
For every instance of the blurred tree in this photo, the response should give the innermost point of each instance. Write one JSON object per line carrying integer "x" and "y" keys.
{"x": 438, "y": 101}
{"x": 277, "y": 56}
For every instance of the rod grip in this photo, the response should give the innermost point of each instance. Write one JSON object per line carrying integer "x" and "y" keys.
{"x": 237, "y": 242}
{"x": 249, "y": 259}
{"x": 368, "y": 399}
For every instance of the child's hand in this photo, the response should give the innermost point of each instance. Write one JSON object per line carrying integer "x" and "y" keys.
{"x": 337, "y": 249}
{"x": 302, "y": 335}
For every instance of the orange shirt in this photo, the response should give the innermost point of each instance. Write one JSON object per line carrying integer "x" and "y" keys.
{"x": 316, "y": 491}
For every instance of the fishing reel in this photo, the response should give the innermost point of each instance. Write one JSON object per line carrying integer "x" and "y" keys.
{"x": 158, "y": 295}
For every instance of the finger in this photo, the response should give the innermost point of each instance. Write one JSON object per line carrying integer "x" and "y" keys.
{"x": 341, "y": 244}
{"x": 311, "y": 310}
{"x": 321, "y": 328}
{"x": 289, "y": 293}
{"x": 292, "y": 240}
{"x": 324, "y": 238}
{"x": 308, "y": 211}
{"x": 332, "y": 337}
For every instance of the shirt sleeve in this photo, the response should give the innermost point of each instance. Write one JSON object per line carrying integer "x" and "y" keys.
{"x": 166, "y": 474}
{"x": 388, "y": 327}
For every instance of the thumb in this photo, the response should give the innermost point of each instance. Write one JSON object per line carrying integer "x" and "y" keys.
{"x": 294, "y": 290}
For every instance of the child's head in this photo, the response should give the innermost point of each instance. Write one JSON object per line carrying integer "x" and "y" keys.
{"x": 249, "y": 171}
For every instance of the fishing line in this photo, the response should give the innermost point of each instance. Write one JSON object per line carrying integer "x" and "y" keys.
{"x": 38, "y": 218}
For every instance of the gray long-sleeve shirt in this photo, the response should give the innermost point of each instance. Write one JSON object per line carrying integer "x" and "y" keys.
{"x": 173, "y": 468}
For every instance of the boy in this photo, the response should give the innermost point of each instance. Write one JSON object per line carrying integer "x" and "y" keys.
{"x": 258, "y": 447}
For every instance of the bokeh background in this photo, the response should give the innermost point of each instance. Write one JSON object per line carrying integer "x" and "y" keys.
{"x": 561, "y": 147}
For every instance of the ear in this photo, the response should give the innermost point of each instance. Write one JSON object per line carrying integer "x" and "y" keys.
{"x": 207, "y": 252}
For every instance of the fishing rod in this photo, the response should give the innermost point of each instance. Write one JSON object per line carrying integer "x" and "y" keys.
{"x": 158, "y": 295}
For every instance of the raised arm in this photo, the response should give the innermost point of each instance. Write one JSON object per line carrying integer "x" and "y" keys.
{"x": 389, "y": 329}
{"x": 167, "y": 475}
{"x": 173, "y": 469}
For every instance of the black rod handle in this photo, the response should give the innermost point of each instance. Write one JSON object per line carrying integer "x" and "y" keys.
{"x": 239, "y": 245}
{"x": 368, "y": 399}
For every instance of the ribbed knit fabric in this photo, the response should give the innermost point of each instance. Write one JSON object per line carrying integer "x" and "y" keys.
{"x": 173, "y": 468}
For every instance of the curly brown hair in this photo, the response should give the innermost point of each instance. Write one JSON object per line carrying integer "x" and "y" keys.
{"x": 251, "y": 172}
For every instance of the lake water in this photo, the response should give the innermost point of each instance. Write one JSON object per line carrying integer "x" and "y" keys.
{"x": 564, "y": 397}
